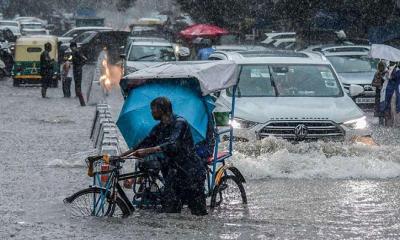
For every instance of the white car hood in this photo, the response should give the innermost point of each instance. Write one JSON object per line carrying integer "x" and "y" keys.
{"x": 364, "y": 78}
{"x": 264, "y": 109}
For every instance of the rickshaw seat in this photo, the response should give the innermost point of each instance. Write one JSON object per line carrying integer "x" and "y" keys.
{"x": 219, "y": 156}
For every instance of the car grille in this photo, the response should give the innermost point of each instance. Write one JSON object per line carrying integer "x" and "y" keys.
{"x": 311, "y": 130}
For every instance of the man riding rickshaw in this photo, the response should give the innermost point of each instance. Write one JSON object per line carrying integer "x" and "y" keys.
{"x": 169, "y": 172}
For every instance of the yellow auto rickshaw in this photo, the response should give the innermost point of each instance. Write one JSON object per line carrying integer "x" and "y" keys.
{"x": 26, "y": 68}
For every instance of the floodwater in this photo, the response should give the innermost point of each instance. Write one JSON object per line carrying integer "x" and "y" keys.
{"x": 302, "y": 191}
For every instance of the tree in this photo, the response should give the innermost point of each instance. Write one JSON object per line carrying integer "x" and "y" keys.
{"x": 295, "y": 14}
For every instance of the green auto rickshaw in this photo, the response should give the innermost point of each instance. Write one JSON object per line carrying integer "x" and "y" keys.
{"x": 26, "y": 68}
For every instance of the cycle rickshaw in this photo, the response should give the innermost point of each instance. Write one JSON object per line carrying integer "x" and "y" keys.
{"x": 197, "y": 80}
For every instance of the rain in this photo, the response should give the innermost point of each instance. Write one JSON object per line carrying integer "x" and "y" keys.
{"x": 288, "y": 114}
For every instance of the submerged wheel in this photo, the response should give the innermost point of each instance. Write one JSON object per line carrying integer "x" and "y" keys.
{"x": 93, "y": 202}
{"x": 147, "y": 195}
{"x": 229, "y": 193}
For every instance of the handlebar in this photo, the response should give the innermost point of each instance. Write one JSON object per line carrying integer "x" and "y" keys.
{"x": 107, "y": 159}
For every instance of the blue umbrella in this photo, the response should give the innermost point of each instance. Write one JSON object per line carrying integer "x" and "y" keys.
{"x": 135, "y": 121}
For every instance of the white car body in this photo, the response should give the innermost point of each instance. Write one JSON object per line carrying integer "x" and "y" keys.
{"x": 9, "y": 23}
{"x": 15, "y": 30}
{"x": 31, "y": 25}
{"x": 132, "y": 66}
{"x": 31, "y": 19}
{"x": 278, "y": 35}
{"x": 32, "y": 32}
{"x": 277, "y": 116}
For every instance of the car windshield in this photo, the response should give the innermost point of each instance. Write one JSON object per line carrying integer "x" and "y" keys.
{"x": 349, "y": 64}
{"x": 151, "y": 54}
{"x": 287, "y": 81}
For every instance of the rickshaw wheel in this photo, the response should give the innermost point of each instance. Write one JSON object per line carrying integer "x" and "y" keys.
{"x": 81, "y": 203}
{"x": 229, "y": 193}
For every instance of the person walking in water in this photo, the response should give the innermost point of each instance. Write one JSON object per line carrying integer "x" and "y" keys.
{"x": 46, "y": 68}
{"x": 377, "y": 82}
{"x": 67, "y": 74}
{"x": 78, "y": 60}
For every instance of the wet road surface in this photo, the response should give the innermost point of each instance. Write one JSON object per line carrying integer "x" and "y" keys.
{"x": 304, "y": 191}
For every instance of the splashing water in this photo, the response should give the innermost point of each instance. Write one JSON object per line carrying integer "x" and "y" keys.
{"x": 276, "y": 158}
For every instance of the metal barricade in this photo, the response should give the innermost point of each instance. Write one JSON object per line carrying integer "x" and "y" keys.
{"x": 104, "y": 133}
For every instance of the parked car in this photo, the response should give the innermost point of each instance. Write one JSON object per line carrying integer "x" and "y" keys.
{"x": 33, "y": 32}
{"x": 81, "y": 38}
{"x": 68, "y": 36}
{"x": 144, "y": 52}
{"x": 31, "y": 19}
{"x": 95, "y": 42}
{"x": 31, "y": 25}
{"x": 290, "y": 95}
{"x": 354, "y": 67}
{"x": 278, "y": 35}
{"x": 14, "y": 30}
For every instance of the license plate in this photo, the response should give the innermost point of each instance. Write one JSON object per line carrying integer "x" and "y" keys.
{"x": 365, "y": 100}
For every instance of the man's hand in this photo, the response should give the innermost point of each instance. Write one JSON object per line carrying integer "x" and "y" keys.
{"x": 140, "y": 152}
{"x": 146, "y": 151}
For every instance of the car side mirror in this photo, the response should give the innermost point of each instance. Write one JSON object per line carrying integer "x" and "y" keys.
{"x": 355, "y": 90}
{"x": 122, "y": 56}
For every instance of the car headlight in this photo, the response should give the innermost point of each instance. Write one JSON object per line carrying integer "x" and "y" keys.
{"x": 360, "y": 123}
{"x": 241, "y": 124}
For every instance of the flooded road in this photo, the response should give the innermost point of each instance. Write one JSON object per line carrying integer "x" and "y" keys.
{"x": 302, "y": 191}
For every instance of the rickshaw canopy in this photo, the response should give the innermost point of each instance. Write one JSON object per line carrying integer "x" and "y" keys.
{"x": 135, "y": 121}
{"x": 212, "y": 76}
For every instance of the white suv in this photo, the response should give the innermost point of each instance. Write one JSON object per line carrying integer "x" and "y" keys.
{"x": 292, "y": 95}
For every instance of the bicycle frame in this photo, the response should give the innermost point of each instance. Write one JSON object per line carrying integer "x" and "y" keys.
{"x": 211, "y": 182}
{"x": 112, "y": 185}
